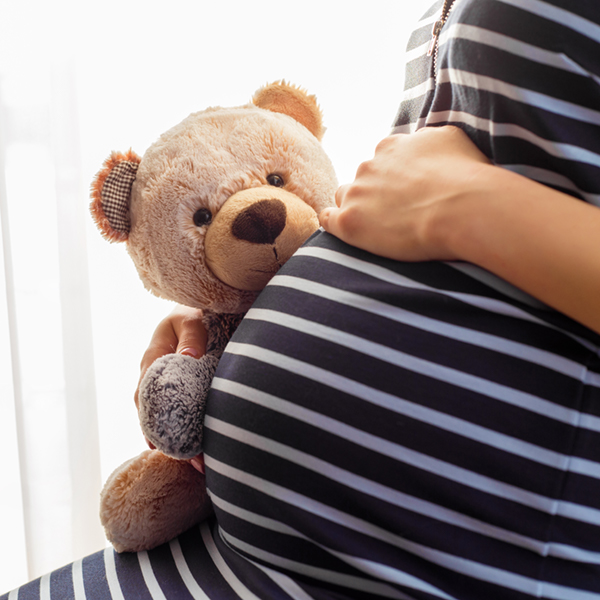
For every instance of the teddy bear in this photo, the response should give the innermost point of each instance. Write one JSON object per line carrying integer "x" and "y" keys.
{"x": 209, "y": 214}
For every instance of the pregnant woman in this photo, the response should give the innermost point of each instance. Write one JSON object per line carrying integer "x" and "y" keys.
{"x": 411, "y": 409}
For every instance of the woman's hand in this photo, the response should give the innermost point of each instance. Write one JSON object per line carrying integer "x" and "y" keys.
{"x": 432, "y": 195}
{"x": 181, "y": 332}
{"x": 397, "y": 204}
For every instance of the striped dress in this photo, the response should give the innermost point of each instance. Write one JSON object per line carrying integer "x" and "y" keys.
{"x": 379, "y": 429}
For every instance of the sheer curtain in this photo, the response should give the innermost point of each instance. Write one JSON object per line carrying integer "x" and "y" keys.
{"x": 78, "y": 80}
{"x": 54, "y": 320}
{"x": 47, "y": 317}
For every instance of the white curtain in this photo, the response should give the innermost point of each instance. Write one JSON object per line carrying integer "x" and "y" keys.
{"x": 78, "y": 80}
{"x": 47, "y": 322}
{"x": 54, "y": 461}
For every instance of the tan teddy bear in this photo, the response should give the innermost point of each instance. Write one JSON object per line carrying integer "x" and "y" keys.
{"x": 210, "y": 213}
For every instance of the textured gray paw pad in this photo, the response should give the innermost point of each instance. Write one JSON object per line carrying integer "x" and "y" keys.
{"x": 172, "y": 403}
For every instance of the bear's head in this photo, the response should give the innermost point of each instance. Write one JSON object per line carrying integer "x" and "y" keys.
{"x": 219, "y": 202}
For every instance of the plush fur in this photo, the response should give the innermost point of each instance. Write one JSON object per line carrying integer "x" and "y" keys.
{"x": 209, "y": 214}
{"x": 168, "y": 493}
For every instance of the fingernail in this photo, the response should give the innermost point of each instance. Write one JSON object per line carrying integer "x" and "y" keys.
{"x": 197, "y": 464}
{"x": 193, "y": 352}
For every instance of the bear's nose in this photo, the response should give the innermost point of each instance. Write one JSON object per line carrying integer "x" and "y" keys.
{"x": 261, "y": 222}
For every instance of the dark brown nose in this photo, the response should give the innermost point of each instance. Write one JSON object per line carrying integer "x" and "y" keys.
{"x": 261, "y": 222}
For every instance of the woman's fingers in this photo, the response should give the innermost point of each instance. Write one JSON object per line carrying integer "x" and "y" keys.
{"x": 180, "y": 332}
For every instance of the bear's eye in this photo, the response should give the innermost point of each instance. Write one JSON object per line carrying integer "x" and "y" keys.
{"x": 275, "y": 180}
{"x": 202, "y": 216}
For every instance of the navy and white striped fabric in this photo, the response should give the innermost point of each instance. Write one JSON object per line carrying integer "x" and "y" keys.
{"x": 522, "y": 78}
{"x": 423, "y": 431}
{"x": 382, "y": 429}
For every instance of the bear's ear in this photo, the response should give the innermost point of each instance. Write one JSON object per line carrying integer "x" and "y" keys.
{"x": 111, "y": 195}
{"x": 293, "y": 101}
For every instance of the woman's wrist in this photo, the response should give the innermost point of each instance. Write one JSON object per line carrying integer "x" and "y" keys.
{"x": 459, "y": 226}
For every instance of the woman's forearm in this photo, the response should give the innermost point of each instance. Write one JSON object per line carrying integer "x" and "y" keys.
{"x": 540, "y": 240}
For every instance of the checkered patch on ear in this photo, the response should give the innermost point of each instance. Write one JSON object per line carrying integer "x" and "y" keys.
{"x": 111, "y": 195}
